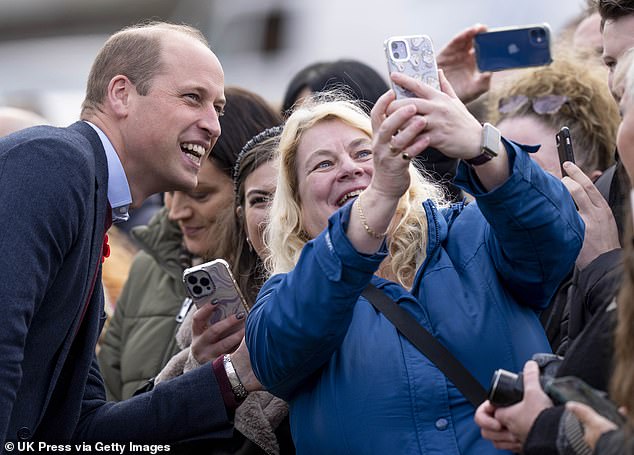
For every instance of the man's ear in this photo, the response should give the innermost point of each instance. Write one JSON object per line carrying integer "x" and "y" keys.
{"x": 119, "y": 94}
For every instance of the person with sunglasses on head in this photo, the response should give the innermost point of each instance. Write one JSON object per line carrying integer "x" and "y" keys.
{"x": 532, "y": 106}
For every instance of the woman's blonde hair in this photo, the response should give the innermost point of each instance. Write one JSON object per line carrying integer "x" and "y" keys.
{"x": 589, "y": 112}
{"x": 285, "y": 235}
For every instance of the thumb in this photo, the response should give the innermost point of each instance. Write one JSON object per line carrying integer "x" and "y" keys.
{"x": 531, "y": 376}
{"x": 445, "y": 86}
{"x": 584, "y": 413}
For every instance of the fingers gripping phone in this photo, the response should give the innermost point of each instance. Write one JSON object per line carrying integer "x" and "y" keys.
{"x": 212, "y": 282}
{"x": 564, "y": 147}
{"x": 513, "y": 47}
{"x": 414, "y": 56}
{"x": 569, "y": 388}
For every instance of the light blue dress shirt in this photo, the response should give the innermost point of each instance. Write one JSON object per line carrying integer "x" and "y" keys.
{"x": 118, "y": 188}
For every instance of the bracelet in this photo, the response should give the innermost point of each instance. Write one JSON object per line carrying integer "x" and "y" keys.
{"x": 237, "y": 387}
{"x": 364, "y": 221}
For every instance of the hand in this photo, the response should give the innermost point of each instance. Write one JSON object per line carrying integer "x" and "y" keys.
{"x": 493, "y": 430}
{"x": 601, "y": 233}
{"x": 394, "y": 134}
{"x": 594, "y": 424}
{"x": 519, "y": 418}
{"x": 211, "y": 341}
{"x": 457, "y": 60}
{"x": 444, "y": 116}
{"x": 450, "y": 127}
{"x": 242, "y": 365}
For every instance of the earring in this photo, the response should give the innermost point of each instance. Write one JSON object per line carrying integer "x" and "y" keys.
{"x": 250, "y": 245}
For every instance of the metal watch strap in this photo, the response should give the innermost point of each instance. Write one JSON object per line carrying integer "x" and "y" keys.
{"x": 488, "y": 145}
{"x": 237, "y": 387}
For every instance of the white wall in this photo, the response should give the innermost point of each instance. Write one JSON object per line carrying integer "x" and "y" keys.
{"x": 51, "y": 73}
{"x": 331, "y": 29}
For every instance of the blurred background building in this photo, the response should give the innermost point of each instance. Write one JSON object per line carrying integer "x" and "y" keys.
{"x": 47, "y": 46}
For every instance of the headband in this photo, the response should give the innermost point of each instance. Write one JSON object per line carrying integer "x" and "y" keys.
{"x": 254, "y": 141}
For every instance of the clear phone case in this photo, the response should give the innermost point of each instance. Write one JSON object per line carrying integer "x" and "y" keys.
{"x": 412, "y": 55}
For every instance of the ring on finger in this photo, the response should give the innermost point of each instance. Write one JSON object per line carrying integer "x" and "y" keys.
{"x": 406, "y": 156}
{"x": 394, "y": 150}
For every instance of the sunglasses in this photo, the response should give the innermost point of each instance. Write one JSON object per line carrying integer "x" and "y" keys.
{"x": 542, "y": 105}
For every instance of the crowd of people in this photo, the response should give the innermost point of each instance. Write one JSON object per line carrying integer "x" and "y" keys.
{"x": 336, "y": 210}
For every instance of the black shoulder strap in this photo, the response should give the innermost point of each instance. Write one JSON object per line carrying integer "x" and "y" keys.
{"x": 427, "y": 344}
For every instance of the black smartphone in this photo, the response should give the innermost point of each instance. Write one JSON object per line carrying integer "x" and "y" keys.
{"x": 513, "y": 47}
{"x": 570, "y": 388}
{"x": 564, "y": 148}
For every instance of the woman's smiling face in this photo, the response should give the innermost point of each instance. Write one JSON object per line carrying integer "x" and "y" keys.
{"x": 334, "y": 163}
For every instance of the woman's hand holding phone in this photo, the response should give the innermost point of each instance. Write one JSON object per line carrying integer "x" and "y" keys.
{"x": 212, "y": 340}
{"x": 450, "y": 127}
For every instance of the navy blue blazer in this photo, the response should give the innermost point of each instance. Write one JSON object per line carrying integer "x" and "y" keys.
{"x": 53, "y": 198}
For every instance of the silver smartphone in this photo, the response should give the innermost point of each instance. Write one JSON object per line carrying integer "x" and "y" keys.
{"x": 212, "y": 282}
{"x": 412, "y": 55}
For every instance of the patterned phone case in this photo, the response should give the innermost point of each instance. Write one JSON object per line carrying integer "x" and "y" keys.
{"x": 419, "y": 61}
{"x": 213, "y": 282}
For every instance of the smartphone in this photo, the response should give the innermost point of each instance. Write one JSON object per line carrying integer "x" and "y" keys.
{"x": 564, "y": 147}
{"x": 513, "y": 47}
{"x": 212, "y": 282}
{"x": 570, "y": 388}
{"x": 412, "y": 55}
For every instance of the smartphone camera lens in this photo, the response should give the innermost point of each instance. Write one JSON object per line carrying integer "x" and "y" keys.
{"x": 197, "y": 290}
{"x": 191, "y": 279}
{"x": 205, "y": 281}
{"x": 399, "y": 49}
{"x": 538, "y": 35}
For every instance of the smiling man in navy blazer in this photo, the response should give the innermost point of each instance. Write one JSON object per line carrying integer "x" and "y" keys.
{"x": 150, "y": 117}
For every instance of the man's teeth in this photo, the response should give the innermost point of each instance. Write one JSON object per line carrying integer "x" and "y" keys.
{"x": 193, "y": 151}
{"x": 348, "y": 196}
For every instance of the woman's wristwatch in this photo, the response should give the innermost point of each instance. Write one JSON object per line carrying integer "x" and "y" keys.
{"x": 237, "y": 387}
{"x": 489, "y": 145}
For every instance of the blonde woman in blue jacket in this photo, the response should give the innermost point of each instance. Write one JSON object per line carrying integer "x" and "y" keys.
{"x": 350, "y": 210}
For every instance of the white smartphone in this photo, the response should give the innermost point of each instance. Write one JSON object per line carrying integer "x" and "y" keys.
{"x": 412, "y": 55}
{"x": 212, "y": 282}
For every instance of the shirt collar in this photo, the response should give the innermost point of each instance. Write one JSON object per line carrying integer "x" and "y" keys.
{"x": 118, "y": 188}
